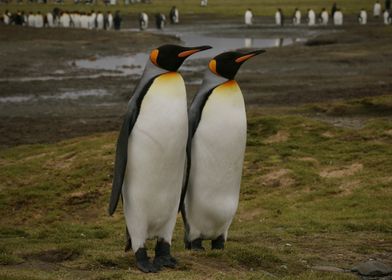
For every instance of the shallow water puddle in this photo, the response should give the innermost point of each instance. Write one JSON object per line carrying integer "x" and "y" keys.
{"x": 69, "y": 95}
{"x": 125, "y": 65}
{"x": 134, "y": 64}
{"x": 190, "y": 36}
{"x": 222, "y": 44}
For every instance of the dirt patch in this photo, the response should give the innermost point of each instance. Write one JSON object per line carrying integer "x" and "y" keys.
{"x": 278, "y": 178}
{"x": 206, "y": 265}
{"x": 328, "y": 134}
{"x": 388, "y": 132}
{"x": 77, "y": 198}
{"x": 55, "y": 255}
{"x": 249, "y": 215}
{"x": 341, "y": 76}
{"x": 37, "y": 156}
{"x": 342, "y": 172}
{"x": 280, "y": 136}
{"x": 320, "y": 42}
{"x": 348, "y": 187}
{"x": 65, "y": 161}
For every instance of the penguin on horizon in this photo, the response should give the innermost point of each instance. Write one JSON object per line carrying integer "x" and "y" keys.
{"x": 150, "y": 156}
{"x": 297, "y": 17}
{"x": 362, "y": 17}
{"x": 248, "y": 17}
{"x": 311, "y": 17}
{"x": 324, "y": 17}
{"x": 377, "y": 9}
{"x": 215, "y": 153}
{"x": 338, "y": 17}
{"x": 279, "y": 17}
{"x": 143, "y": 21}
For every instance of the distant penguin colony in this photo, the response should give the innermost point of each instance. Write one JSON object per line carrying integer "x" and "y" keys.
{"x": 100, "y": 21}
{"x": 62, "y": 19}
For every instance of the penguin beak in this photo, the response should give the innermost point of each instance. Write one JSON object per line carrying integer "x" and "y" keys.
{"x": 194, "y": 50}
{"x": 245, "y": 57}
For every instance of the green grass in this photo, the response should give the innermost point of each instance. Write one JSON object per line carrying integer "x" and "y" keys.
{"x": 312, "y": 194}
{"x": 190, "y": 7}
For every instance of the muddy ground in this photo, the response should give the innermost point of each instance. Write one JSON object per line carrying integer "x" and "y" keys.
{"x": 45, "y": 97}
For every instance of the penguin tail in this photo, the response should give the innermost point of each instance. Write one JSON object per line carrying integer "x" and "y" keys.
{"x": 112, "y": 204}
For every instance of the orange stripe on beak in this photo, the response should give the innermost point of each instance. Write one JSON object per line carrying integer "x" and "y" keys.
{"x": 154, "y": 56}
{"x": 187, "y": 53}
{"x": 243, "y": 58}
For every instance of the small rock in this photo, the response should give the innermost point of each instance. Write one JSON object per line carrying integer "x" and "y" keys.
{"x": 372, "y": 268}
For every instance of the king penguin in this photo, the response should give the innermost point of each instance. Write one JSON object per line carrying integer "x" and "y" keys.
{"x": 151, "y": 154}
{"x": 215, "y": 153}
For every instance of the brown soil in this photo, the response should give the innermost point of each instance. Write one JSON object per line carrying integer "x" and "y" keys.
{"x": 342, "y": 172}
{"x": 335, "y": 64}
{"x": 280, "y": 136}
{"x": 278, "y": 178}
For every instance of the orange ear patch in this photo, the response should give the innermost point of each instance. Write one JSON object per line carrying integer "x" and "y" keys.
{"x": 154, "y": 56}
{"x": 187, "y": 53}
{"x": 243, "y": 58}
{"x": 212, "y": 66}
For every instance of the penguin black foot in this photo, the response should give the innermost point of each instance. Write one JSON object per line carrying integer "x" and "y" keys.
{"x": 196, "y": 245}
{"x": 187, "y": 245}
{"x": 162, "y": 255}
{"x": 143, "y": 262}
{"x": 218, "y": 243}
{"x": 165, "y": 261}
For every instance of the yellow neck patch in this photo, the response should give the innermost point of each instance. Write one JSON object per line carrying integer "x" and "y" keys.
{"x": 229, "y": 88}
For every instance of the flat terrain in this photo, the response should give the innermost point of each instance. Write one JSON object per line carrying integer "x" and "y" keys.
{"x": 40, "y": 65}
{"x": 316, "y": 190}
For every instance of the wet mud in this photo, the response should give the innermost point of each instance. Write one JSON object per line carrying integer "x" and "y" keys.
{"x": 56, "y": 83}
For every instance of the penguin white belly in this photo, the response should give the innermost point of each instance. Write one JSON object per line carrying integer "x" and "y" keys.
{"x": 218, "y": 149}
{"x": 156, "y": 157}
{"x": 278, "y": 19}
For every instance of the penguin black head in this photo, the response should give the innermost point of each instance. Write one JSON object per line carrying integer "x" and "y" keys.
{"x": 227, "y": 64}
{"x": 170, "y": 57}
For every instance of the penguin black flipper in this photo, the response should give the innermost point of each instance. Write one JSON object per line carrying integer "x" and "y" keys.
{"x": 121, "y": 157}
{"x": 122, "y": 144}
{"x": 195, "y": 113}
